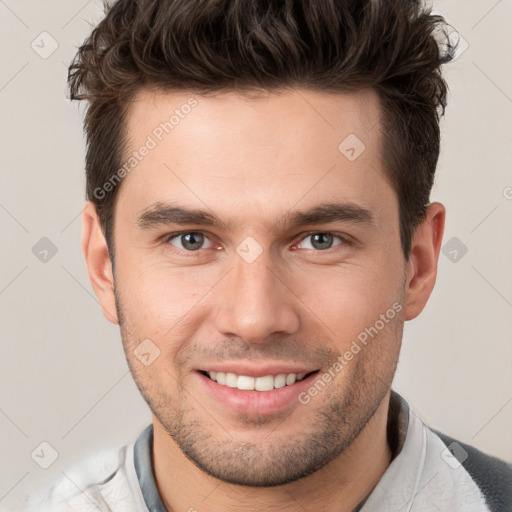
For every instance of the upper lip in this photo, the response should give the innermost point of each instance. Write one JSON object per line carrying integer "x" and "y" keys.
{"x": 252, "y": 370}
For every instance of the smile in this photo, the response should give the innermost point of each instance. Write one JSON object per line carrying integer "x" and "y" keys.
{"x": 248, "y": 383}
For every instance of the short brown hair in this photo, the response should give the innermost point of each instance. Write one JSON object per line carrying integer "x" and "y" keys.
{"x": 212, "y": 46}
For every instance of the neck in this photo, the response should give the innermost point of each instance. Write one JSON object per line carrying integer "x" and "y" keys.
{"x": 340, "y": 485}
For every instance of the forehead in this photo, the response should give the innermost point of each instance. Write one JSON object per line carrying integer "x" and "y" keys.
{"x": 241, "y": 114}
{"x": 270, "y": 151}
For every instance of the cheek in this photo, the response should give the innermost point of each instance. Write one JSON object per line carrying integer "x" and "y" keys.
{"x": 348, "y": 299}
{"x": 158, "y": 301}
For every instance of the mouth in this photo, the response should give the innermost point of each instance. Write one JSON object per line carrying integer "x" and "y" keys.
{"x": 244, "y": 388}
{"x": 263, "y": 383}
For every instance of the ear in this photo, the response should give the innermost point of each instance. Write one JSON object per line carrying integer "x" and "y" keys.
{"x": 99, "y": 267}
{"x": 421, "y": 268}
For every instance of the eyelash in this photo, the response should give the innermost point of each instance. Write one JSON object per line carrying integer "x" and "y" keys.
{"x": 344, "y": 240}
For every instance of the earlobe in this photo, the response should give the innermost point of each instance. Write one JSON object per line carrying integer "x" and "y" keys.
{"x": 99, "y": 266}
{"x": 423, "y": 259}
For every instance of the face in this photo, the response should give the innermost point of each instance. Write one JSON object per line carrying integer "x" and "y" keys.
{"x": 252, "y": 251}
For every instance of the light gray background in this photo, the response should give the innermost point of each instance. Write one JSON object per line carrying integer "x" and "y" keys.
{"x": 64, "y": 378}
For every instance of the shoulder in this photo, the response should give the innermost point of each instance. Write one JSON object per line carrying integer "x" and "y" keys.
{"x": 492, "y": 475}
{"x": 79, "y": 487}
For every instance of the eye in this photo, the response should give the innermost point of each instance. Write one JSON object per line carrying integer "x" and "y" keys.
{"x": 322, "y": 241}
{"x": 189, "y": 241}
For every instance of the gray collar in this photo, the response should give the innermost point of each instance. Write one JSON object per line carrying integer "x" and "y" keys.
{"x": 143, "y": 460}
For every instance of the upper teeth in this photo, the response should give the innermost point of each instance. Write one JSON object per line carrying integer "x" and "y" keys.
{"x": 246, "y": 383}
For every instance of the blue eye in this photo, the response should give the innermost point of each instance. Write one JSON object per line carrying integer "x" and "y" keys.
{"x": 191, "y": 241}
{"x": 322, "y": 241}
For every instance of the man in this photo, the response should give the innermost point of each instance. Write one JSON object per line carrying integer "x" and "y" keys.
{"x": 258, "y": 224}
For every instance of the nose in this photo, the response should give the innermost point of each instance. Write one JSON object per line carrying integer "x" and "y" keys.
{"x": 255, "y": 302}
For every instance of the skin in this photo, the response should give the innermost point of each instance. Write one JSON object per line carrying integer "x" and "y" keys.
{"x": 250, "y": 162}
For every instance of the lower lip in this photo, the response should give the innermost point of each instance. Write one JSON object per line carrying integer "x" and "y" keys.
{"x": 255, "y": 402}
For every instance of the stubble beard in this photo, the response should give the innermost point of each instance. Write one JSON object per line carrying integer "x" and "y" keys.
{"x": 269, "y": 460}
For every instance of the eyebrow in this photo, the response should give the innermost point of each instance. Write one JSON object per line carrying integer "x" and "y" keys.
{"x": 162, "y": 214}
